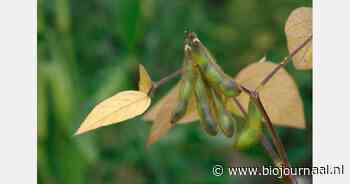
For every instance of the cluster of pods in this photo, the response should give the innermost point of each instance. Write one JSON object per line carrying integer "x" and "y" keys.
{"x": 211, "y": 87}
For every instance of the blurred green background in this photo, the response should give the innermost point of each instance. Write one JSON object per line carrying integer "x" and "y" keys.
{"x": 89, "y": 50}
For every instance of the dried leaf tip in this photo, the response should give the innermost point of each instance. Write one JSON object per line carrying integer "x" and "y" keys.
{"x": 298, "y": 31}
{"x": 262, "y": 60}
{"x": 145, "y": 82}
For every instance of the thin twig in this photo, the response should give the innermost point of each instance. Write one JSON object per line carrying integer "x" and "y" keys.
{"x": 165, "y": 79}
{"x": 265, "y": 142}
{"x": 277, "y": 141}
{"x": 284, "y": 62}
{"x": 275, "y": 138}
{"x": 240, "y": 106}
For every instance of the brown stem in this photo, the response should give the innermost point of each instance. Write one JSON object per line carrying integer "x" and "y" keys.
{"x": 269, "y": 148}
{"x": 268, "y": 123}
{"x": 240, "y": 106}
{"x": 275, "y": 138}
{"x": 165, "y": 79}
{"x": 284, "y": 62}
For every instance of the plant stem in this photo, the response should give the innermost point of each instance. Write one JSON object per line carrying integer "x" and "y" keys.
{"x": 268, "y": 123}
{"x": 275, "y": 138}
{"x": 277, "y": 141}
{"x": 265, "y": 142}
{"x": 284, "y": 62}
{"x": 165, "y": 79}
{"x": 240, "y": 106}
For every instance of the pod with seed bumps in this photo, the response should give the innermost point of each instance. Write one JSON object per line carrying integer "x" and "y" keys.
{"x": 210, "y": 70}
{"x": 186, "y": 87}
{"x": 227, "y": 122}
{"x": 205, "y": 107}
{"x": 252, "y": 131}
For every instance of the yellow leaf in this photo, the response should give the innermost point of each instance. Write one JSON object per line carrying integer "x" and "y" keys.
{"x": 161, "y": 113}
{"x": 298, "y": 29}
{"x": 280, "y": 95}
{"x": 120, "y": 107}
{"x": 145, "y": 82}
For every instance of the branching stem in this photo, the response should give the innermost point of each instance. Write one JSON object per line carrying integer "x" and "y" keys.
{"x": 268, "y": 123}
{"x": 165, "y": 79}
{"x": 284, "y": 62}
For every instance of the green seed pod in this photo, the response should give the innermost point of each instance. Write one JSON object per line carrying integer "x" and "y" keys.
{"x": 227, "y": 122}
{"x": 252, "y": 131}
{"x": 247, "y": 138}
{"x": 210, "y": 70}
{"x": 205, "y": 107}
{"x": 254, "y": 115}
{"x": 186, "y": 87}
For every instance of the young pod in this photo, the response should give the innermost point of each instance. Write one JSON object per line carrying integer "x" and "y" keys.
{"x": 210, "y": 70}
{"x": 253, "y": 129}
{"x": 227, "y": 122}
{"x": 205, "y": 107}
{"x": 247, "y": 138}
{"x": 186, "y": 87}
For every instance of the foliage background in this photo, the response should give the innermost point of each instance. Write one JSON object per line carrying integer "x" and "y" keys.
{"x": 89, "y": 50}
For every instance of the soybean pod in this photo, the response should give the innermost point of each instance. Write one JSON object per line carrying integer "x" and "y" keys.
{"x": 253, "y": 129}
{"x": 210, "y": 70}
{"x": 205, "y": 107}
{"x": 227, "y": 122}
{"x": 186, "y": 87}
